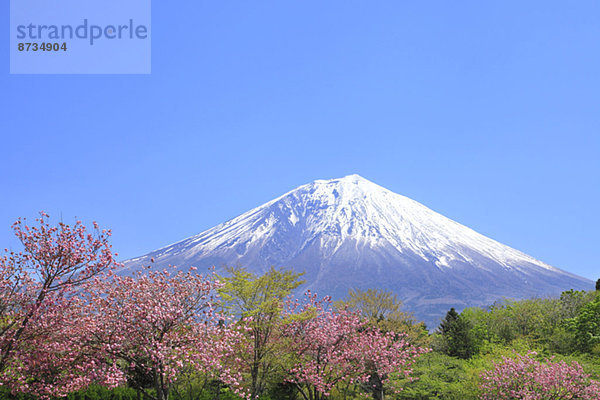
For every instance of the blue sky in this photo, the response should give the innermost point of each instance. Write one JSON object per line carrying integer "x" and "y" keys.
{"x": 487, "y": 112}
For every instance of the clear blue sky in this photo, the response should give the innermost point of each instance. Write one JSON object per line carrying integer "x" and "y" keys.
{"x": 487, "y": 112}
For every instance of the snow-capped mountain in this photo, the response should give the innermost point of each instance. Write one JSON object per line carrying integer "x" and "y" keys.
{"x": 350, "y": 232}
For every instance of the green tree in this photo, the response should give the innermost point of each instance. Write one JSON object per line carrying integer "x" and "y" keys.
{"x": 448, "y": 322}
{"x": 374, "y": 304}
{"x": 258, "y": 302}
{"x": 598, "y": 285}
{"x": 457, "y": 336}
{"x": 587, "y": 326}
{"x": 571, "y": 302}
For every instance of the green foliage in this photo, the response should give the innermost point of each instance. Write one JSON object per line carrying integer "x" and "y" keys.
{"x": 259, "y": 301}
{"x": 439, "y": 376}
{"x": 374, "y": 304}
{"x": 546, "y": 323}
{"x": 94, "y": 392}
{"x": 572, "y": 301}
{"x": 561, "y": 340}
{"x": 5, "y": 394}
{"x": 383, "y": 310}
{"x": 448, "y": 322}
{"x": 586, "y": 327}
{"x": 249, "y": 295}
{"x": 211, "y": 392}
{"x": 456, "y": 336}
{"x": 509, "y": 320}
{"x": 281, "y": 390}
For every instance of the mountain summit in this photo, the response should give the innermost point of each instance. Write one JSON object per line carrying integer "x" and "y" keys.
{"x": 351, "y": 233}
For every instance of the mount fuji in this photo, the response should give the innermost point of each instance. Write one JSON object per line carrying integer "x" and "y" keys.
{"x": 351, "y": 233}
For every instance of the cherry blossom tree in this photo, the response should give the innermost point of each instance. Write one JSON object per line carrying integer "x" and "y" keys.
{"x": 338, "y": 348}
{"x": 66, "y": 320}
{"x": 53, "y": 360}
{"x": 155, "y": 325}
{"x": 39, "y": 301}
{"x": 523, "y": 377}
{"x": 385, "y": 355}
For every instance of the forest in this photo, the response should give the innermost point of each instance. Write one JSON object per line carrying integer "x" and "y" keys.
{"x": 72, "y": 327}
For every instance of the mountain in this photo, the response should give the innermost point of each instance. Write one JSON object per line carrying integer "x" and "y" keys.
{"x": 350, "y": 232}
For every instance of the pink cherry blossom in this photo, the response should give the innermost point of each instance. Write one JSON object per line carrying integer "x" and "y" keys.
{"x": 156, "y": 325}
{"x": 523, "y": 377}
{"x": 336, "y": 348}
{"x": 39, "y": 306}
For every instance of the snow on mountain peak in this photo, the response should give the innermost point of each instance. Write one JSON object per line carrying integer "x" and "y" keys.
{"x": 353, "y": 209}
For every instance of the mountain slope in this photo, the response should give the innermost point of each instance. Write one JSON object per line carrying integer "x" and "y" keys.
{"x": 350, "y": 232}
